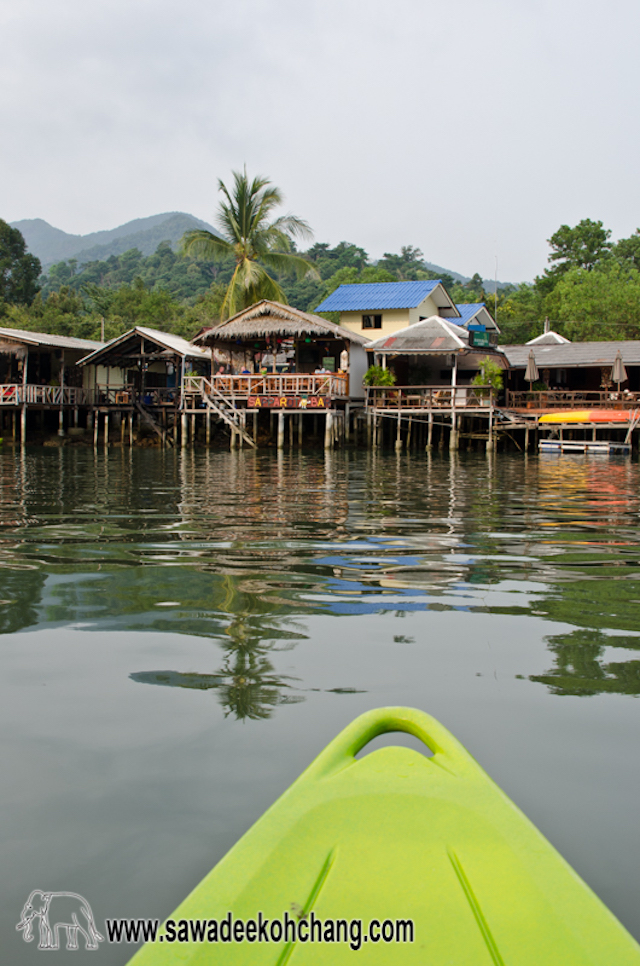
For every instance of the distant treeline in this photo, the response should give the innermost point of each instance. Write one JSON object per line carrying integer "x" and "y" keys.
{"x": 591, "y": 289}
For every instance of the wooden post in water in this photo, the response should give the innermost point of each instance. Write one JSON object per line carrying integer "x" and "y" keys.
{"x": 255, "y": 427}
{"x": 122, "y": 428}
{"x": 207, "y": 423}
{"x": 281, "y": 429}
{"x": 183, "y": 430}
{"x": 398, "y": 433}
{"x": 430, "y": 432}
{"x": 300, "y": 418}
{"x": 347, "y": 416}
{"x": 96, "y": 429}
{"x": 131, "y": 429}
{"x": 193, "y": 429}
{"x": 106, "y": 430}
{"x": 328, "y": 429}
{"x": 243, "y": 424}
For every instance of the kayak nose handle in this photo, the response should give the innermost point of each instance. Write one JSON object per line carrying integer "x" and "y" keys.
{"x": 395, "y": 738}
{"x": 440, "y": 743}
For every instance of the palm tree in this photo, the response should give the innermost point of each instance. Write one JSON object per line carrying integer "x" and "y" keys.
{"x": 257, "y": 244}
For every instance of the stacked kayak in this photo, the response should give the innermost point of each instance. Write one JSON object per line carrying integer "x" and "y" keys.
{"x": 589, "y": 416}
{"x": 396, "y": 836}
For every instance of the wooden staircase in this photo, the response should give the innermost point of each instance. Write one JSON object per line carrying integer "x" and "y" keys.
{"x": 220, "y": 405}
{"x": 151, "y": 421}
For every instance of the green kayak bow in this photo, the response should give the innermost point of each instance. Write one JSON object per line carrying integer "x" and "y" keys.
{"x": 394, "y": 837}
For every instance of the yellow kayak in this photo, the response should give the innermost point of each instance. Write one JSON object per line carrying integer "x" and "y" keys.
{"x": 588, "y": 416}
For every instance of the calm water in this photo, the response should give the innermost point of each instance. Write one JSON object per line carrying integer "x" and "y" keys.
{"x": 182, "y": 634}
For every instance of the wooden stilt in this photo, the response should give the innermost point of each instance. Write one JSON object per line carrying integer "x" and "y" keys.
{"x": 23, "y": 425}
{"x": 106, "y": 430}
{"x": 96, "y": 429}
{"x": 300, "y": 418}
{"x": 281, "y": 429}
{"x": 130, "y": 429}
{"x": 184, "y": 430}
{"x": 207, "y": 423}
{"x": 328, "y": 429}
{"x": 398, "y": 433}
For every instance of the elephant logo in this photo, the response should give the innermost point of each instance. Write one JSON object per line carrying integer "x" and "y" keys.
{"x": 56, "y": 911}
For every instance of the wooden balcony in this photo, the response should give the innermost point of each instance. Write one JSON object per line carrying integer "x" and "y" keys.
{"x": 272, "y": 386}
{"x": 55, "y": 396}
{"x": 429, "y": 398}
{"x": 548, "y": 400}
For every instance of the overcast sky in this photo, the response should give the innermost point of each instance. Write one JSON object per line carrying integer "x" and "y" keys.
{"x": 471, "y": 130}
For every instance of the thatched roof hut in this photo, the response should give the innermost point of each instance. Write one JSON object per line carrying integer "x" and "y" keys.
{"x": 267, "y": 318}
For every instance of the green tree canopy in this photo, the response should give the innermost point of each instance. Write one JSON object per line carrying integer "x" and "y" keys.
{"x": 584, "y": 246}
{"x": 19, "y": 270}
{"x": 259, "y": 246}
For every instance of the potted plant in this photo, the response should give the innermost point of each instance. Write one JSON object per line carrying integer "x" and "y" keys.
{"x": 488, "y": 377}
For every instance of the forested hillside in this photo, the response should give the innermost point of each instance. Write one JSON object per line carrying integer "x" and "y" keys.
{"x": 590, "y": 290}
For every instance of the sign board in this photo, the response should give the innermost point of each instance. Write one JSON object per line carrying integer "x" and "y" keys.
{"x": 289, "y": 402}
{"x": 479, "y": 339}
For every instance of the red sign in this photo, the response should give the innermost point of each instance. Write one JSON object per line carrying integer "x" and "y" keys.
{"x": 289, "y": 402}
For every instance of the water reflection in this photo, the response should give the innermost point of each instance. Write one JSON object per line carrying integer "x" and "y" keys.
{"x": 242, "y": 548}
{"x": 580, "y": 668}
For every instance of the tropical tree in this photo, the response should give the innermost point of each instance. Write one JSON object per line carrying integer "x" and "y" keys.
{"x": 19, "y": 270}
{"x": 258, "y": 244}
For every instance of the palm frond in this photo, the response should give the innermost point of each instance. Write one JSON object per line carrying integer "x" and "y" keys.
{"x": 204, "y": 244}
{"x": 288, "y": 264}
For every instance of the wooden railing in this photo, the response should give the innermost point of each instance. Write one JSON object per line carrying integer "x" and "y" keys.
{"x": 129, "y": 395}
{"x": 331, "y": 384}
{"x": 17, "y": 394}
{"x": 559, "y": 399}
{"x": 429, "y": 397}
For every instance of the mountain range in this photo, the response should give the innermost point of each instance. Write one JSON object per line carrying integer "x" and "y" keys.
{"x": 52, "y": 245}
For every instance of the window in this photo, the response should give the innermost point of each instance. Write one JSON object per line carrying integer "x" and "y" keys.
{"x": 371, "y": 321}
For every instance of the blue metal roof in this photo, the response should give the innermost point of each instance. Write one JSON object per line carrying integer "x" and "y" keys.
{"x": 467, "y": 311}
{"x": 377, "y": 295}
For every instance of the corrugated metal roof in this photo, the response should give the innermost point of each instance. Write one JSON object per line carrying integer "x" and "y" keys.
{"x": 174, "y": 342}
{"x": 568, "y": 355}
{"x": 378, "y": 295}
{"x": 45, "y": 338}
{"x": 164, "y": 340}
{"x": 548, "y": 338}
{"x": 467, "y": 311}
{"x": 432, "y": 335}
